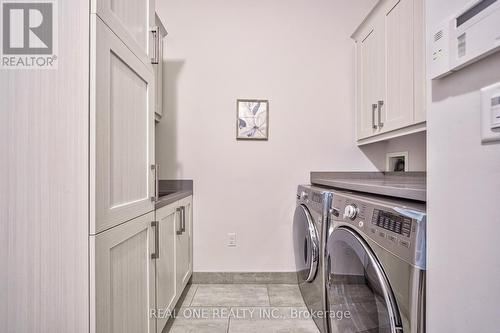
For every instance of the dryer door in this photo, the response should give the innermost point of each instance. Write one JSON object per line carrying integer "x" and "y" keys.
{"x": 306, "y": 244}
{"x": 359, "y": 297}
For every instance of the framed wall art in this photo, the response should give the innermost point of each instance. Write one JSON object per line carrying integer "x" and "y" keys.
{"x": 252, "y": 119}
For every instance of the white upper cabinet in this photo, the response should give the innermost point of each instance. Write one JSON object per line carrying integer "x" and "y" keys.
{"x": 132, "y": 21}
{"x": 161, "y": 33}
{"x": 122, "y": 132}
{"x": 398, "y": 108}
{"x": 370, "y": 67}
{"x": 390, "y": 70}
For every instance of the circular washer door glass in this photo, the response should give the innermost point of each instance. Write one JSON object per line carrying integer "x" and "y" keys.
{"x": 359, "y": 297}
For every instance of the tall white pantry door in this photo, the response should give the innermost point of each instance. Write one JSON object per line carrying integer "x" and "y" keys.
{"x": 122, "y": 131}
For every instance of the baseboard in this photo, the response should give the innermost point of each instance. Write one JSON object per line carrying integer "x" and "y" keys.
{"x": 244, "y": 277}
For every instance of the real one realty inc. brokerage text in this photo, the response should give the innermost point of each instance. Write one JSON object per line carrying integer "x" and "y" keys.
{"x": 247, "y": 313}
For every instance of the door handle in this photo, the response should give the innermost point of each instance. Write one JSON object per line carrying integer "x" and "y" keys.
{"x": 183, "y": 221}
{"x": 156, "y": 170}
{"x": 156, "y": 227}
{"x": 328, "y": 272}
{"x": 374, "y": 108}
{"x": 379, "y": 106}
{"x": 179, "y": 226}
{"x": 156, "y": 45}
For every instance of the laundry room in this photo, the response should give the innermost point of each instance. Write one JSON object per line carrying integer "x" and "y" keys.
{"x": 250, "y": 166}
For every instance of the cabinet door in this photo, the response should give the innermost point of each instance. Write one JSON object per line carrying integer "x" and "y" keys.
{"x": 398, "y": 109}
{"x": 122, "y": 131}
{"x": 419, "y": 61}
{"x": 158, "y": 69}
{"x": 370, "y": 78}
{"x": 184, "y": 256}
{"x": 122, "y": 280}
{"x": 132, "y": 21}
{"x": 159, "y": 81}
{"x": 166, "y": 283}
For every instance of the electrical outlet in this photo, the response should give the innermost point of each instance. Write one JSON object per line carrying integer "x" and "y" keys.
{"x": 231, "y": 239}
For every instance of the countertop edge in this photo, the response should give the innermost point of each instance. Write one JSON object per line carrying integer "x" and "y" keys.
{"x": 171, "y": 198}
{"x": 340, "y": 180}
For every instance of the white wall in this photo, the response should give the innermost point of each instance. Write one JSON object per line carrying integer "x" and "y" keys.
{"x": 414, "y": 144}
{"x": 463, "y": 193}
{"x": 298, "y": 54}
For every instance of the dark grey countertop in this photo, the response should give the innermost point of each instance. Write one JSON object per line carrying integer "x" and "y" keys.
{"x": 405, "y": 185}
{"x": 173, "y": 190}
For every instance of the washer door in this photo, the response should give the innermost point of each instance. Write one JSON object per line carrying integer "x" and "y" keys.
{"x": 306, "y": 244}
{"x": 359, "y": 297}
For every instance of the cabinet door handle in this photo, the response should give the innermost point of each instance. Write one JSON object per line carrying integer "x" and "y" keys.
{"x": 379, "y": 106}
{"x": 156, "y": 227}
{"x": 156, "y": 170}
{"x": 374, "y": 108}
{"x": 156, "y": 45}
{"x": 179, "y": 226}
{"x": 183, "y": 226}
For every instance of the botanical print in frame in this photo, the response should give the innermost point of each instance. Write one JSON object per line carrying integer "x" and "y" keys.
{"x": 252, "y": 119}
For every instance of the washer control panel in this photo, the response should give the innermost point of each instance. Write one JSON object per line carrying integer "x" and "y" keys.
{"x": 392, "y": 222}
{"x": 383, "y": 221}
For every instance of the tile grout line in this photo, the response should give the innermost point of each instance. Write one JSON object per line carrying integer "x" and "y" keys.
{"x": 268, "y": 296}
{"x": 194, "y": 294}
{"x": 228, "y": 321}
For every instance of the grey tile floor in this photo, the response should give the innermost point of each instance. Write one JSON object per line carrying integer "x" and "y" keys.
{"x": 235, "y": 308}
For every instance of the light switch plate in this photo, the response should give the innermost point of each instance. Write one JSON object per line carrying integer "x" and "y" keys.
{"x": 490, "y": 113}
{"x": 231, "y": 239}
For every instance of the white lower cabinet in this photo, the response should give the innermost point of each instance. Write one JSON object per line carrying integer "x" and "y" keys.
{"x": 123, "y": 278}
{"x": 174, "y": 265}
{"x": 139, "y": 270}
{"x": 184, "y": 243}
{"x": 166, "y": 284}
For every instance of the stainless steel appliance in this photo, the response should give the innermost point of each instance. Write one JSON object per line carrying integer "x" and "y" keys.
{"x": 375, "y": 261}
{"x": 308, "y": 232}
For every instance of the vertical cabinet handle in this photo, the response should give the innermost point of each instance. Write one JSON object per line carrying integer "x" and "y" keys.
{"x": 183, "y": 221}
{"x": 156, "y": 227}
{"x": 379, "y": 106}
{"x": 156, "y": 45}
{"x": 179, "y": 226}
{"x": 157, "y": 182}
{"x": 374, "y": 108}
{"x": 156, "y": 170}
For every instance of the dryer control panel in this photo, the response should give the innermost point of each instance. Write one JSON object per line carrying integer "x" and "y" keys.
{"x": 392, "y": 224}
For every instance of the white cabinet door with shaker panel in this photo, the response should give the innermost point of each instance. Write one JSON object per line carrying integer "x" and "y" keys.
{"x": 123, "y": 278}
{"x": 370, "y": 71}
{"x": 122, "y": 132}
{"x": 174, "y": 260}
{"x": 166, "y": 283}
{"x": 184, "y": 242}
{"x": 390, "y": 87}
{"x": 132, "y": 21}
